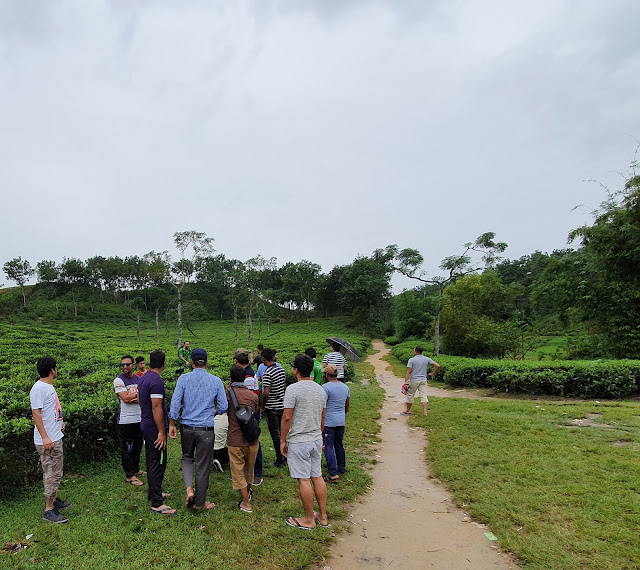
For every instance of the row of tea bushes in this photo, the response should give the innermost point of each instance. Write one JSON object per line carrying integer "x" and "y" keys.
{"x": 568, "y": 378}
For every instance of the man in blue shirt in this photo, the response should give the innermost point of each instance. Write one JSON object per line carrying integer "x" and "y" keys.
{"x": 201, "y": 395}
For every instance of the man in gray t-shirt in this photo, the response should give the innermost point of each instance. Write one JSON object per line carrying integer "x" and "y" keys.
{"x": 417, "y": 377}
{"x": 301, "y": 441}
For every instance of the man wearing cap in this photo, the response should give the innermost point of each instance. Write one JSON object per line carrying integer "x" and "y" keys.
{"x": 201, "y": 395}
{"x": 241, "y": 358}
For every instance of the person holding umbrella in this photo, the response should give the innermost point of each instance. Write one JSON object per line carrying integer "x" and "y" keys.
{"x": 336, "y": 358}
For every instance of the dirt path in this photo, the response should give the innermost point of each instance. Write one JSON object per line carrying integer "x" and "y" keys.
{"x": 407, "y": 520}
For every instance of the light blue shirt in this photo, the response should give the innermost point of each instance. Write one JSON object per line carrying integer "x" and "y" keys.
{"x": 201, "y": 395}
{"x": 337, "y": 394}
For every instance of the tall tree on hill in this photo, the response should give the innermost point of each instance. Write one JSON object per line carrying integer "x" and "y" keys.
{"x": 408, "y": 262}
{"x": 301, "y": 281}
{"x": 191, "y": 246}
{"x": 20, "y": 271}
{"x": 255, "y": 269}
{"x": 47, "y": 271}
{"x": 73, "y": 272}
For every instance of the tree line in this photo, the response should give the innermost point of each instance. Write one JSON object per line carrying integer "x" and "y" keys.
{"x": 481, "y": 305}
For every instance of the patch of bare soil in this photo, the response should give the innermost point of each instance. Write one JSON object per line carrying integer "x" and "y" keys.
{"x": 407, "y": 520}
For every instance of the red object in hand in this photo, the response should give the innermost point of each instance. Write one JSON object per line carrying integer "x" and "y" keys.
{"x": 405, "y": 388}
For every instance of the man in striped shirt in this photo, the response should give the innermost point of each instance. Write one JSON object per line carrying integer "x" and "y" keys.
{"x": 334, "y": 357}
{"x": 274, "y": 384}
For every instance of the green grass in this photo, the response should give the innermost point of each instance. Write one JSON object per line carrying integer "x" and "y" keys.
{"x": 557, "y": 495}
{"x": 111, "y": 526}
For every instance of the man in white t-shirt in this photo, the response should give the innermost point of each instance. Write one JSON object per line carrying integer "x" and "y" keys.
{"x": 126, "y": 388}
{"x": 417, "y": 377}
{"x": 47, "y": 436}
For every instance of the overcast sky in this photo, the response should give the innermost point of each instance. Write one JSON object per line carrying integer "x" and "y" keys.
{"x": 307, "y": 129}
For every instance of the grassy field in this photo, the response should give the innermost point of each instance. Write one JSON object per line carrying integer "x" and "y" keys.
{"x": 110, "y": 523}
{"x": 556, "y": 481}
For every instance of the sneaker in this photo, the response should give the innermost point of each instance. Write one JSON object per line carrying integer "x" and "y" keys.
{"x": 53, "y": 516}
{"x": 59, "y": 504}
{"x": 257, "y": 481}
{"x": 217, "y": 465}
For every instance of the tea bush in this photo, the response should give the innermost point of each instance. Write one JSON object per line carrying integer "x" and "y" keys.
{"x": 570, "y": 378}
{"x": 88, "y": 356}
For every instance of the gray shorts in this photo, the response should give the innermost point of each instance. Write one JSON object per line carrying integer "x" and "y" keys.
{"x": 305, "y": 459}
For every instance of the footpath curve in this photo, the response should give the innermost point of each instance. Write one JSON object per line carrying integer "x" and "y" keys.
{"x": 407, "y": 520}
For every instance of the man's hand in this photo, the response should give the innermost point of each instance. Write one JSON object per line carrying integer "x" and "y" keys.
{"x": 161, "y": 442}
{"x": 284, "y": 448}
{"x": 173, "y": 432}
{"x": 64, "y": 425}
{"x": 47, "y": 443}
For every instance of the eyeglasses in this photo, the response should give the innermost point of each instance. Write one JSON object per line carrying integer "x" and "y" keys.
{"x": 123, "y": 364}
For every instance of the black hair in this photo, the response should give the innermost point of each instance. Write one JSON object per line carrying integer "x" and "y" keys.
{"x": 419, "y": 349}
{"x": 303, "y": 364}
{"x": 157, "y": 359}
{"x": 311, "y": 352}
{"x": 45, "y": 365}
{"x": 260, "y": 347}
{"x": 129, "y": 357}
{"x": 335, "y": 346}
{"x": 237, "y": 373}
{"x": 268, "y": 354}
{"x": 139, "y": 359}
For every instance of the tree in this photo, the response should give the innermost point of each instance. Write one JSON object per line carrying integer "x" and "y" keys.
{"x": 191, "y": 246}
{"x": 408, "y": 262}
{"x": 20, "y": 271}
{"x": 479, "y": 316}
{"x": 301, "y": 281}
{"x": 608, "y": 295}
{"x": 47, "y": 271}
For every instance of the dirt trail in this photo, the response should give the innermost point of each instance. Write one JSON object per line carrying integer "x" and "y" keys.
{"x": 407, "y": 520}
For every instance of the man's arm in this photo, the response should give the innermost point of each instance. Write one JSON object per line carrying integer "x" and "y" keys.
{"x": 127, "y": 396}
{"x": 408, "y": 374}
{"x": 176, "y": 400}
{"x": 158, "y": 417}
{"x": 436, "y": 367}
{"x": 222, "y": 405}
{"x": 324, "y": 413}
{"x": 265, "y": 397}
{"x": 37, "y": 419}
{"x": 173, "y": 430}
{"x": 285, "y": 425}
{"x": 346, "y": 405}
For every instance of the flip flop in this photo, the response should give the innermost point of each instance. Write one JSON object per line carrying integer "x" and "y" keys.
{"x": 166, "y": 495}
{"x": 164, "y": 511}
{"x": 243, "y": 509}
{"x": 296, "y": 523}
{"x": 405, "y": 413}
{"x": 315, "y": 516}
{"x": 140, "y": 473}
{"x": 134, "y": 482}
{"x": 191, "y": 501}
{"x": 329, "y": 479}
{"x": 207, "y": 505}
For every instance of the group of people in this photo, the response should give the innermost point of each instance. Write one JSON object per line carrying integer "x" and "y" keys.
{"x": 303, "y": 419}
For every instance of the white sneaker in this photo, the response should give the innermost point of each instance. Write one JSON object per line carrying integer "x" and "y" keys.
{"x": 218, "y": 465}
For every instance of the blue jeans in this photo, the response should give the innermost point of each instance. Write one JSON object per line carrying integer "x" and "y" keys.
{"x": 334, "y": 450}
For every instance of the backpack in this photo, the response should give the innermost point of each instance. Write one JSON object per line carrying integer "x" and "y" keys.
{"x": 246, "y": 419}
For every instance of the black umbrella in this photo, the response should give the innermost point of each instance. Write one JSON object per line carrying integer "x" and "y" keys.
{"x": 346, "y": 348}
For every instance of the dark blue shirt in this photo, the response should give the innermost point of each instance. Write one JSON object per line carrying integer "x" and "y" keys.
{"x": 151, "y": 386}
